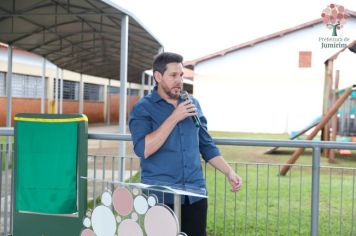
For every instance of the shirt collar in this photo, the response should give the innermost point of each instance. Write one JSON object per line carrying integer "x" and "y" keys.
{"x": 155, "y": 96}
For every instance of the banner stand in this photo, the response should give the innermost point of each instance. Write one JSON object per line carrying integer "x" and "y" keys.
{"x": 50, "y": 198}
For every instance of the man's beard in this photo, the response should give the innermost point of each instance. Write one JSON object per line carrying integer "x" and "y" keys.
{"x": 170, "y": 94}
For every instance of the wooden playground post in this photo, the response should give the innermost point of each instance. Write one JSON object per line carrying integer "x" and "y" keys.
{"x": 322, "y": 124}
{"x": 334, "y": 118}
{"x": 327, "y": 100}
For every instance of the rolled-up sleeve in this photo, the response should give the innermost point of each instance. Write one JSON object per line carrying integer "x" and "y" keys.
{"x": 140, "y": 126}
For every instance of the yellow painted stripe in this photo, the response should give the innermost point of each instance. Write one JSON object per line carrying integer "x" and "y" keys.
{"x": 51, "y": 120}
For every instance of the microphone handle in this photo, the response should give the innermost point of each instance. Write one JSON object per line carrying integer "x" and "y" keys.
{"x": 195, "y": 118}
{"x": 196, "y": 121}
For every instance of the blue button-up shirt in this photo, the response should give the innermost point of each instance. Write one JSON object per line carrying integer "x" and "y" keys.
{"x": 177, "y": 163}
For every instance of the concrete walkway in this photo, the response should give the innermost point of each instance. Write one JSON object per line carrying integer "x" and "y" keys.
{"x": 105, "y": 153}
{"x": 107, "y": 147}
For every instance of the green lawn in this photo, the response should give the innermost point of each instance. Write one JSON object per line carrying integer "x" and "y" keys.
{"x": 279, "y": 204}
{"x": 3, "y": 151}
{"x": 256, "y": 154}
{"x": 270, "y": 204}
{"x": 2, "y": 139}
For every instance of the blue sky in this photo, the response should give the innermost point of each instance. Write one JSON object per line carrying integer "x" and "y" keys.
{"x": 196, "y": 28}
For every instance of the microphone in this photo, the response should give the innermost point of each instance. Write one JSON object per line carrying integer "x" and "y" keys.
{"x": 185, "y": 96}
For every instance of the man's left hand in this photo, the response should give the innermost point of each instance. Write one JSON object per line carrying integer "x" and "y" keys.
{"x": 235, "y": 181}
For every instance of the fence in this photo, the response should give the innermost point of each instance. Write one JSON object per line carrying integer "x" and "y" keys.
{"x": 309, "y": 200}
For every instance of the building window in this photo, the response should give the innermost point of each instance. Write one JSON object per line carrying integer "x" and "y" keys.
{"x": 133, "y": 92}
{"x": 130, "y": 92}
{"x": 26, "y": 86}
{"x": 305, "y": 59}
{"x": 113, "y": 89}
{"x": 2, "y": 84}
{"x": 70, "y": 89}
{"x": 93, "y": 92}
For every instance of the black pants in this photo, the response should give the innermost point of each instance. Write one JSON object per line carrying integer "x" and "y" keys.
{"x": 193, "y": 218}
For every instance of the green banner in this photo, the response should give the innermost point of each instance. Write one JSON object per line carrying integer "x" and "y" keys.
{"x": 46, "y": 173}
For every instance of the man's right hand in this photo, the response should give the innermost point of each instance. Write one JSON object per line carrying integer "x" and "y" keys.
{"x": 184, "y": 110}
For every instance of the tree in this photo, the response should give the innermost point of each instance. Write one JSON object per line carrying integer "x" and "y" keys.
{"x": 334, "y": 17}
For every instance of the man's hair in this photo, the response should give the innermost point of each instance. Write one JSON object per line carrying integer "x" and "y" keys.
{"x": 164, "y": 58}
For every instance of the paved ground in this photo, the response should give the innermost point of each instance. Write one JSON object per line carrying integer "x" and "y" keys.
{"x": 106, "y": 147}
{"x": 109, "y": 149}
{"x": 106, "y": 155}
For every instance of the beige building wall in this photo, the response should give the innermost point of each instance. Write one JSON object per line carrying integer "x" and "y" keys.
{"x": 262, "y": 89}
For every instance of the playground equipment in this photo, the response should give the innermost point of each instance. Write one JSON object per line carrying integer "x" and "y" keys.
{"x": 331, "y": 129}
{"x": 321, "y": 124}
{"x": 50, "y": 195}
{"x": 297, "y": 134}
{"x": 346, "y": 116}
{"x": 334, "y": 100}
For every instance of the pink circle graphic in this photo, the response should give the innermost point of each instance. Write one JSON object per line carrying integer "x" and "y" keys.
{"x": 161, "y": 221}
{"x": 122, "y": 201}
{"x": 129, "y": 227}
{"x": 87, "y": 232}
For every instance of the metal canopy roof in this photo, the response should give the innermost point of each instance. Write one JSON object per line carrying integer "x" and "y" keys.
{"x": 78, "y": 35}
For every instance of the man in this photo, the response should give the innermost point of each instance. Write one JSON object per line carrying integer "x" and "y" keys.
{"x": 169, "y": 144}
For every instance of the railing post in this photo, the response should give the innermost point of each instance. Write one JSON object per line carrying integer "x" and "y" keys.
{"x": 6, "y": 200}
{"x": 315, "y": 191}
{"x": 177, "y": 208}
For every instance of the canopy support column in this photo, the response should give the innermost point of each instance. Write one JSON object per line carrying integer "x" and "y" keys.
{"x": 123, "y": 92}
{"x": 43, "y": 86}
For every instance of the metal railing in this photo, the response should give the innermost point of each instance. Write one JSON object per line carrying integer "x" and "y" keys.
{"x": 271, "y": 204}
{"x": 268, "y": 204}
